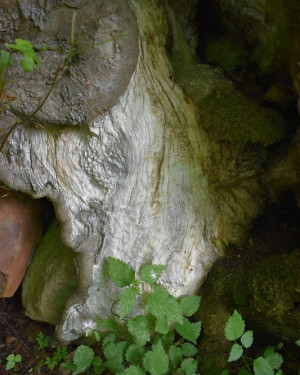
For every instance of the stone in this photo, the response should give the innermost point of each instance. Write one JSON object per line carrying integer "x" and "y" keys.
{"x": 21, "y": 228}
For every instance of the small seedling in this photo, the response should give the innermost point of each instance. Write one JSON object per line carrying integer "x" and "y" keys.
{"x": 60, "y": 354}
{"x": 265, "y": 365}
{"x": 42, "y": 340}
{"x": 12, "y": 360}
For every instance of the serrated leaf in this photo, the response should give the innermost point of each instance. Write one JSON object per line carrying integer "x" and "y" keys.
{"x": 139, "y": 328}
{"x": 189, "y": 305}
{"x": 108, "y": 338}
{"x": 235, "y": 353}
{"x": 168, "y": 339}
{"x": 158, "y": 361}
{"x": 5, "y": 60}
{"x": 108, "y": 323}
{"x": 121, "y": 273}
{"x": 234, "y": 327}
{"x": 83, "y": 358}
{"x": 113, "y": 366}
{"x": 161, "y": 326}
{"x": 127, "y": 301}
{"x": 262, "y": 367}
{"x": 98, "y": 366}
{"x": 115, "y": 351}
{"x": 189, "y": 350}
{"x": 164, "y": 306}
{"x": 150, "y": 274}
{"x": 133, "y": 370}
{"x": 275, "y": 360}
{"x": 188, "y": 330}
{"x": 247, "y": 339}
{"x": 189, "y": 366}
{"x": 175, "y": 354}
{"x": 135, "y": 354}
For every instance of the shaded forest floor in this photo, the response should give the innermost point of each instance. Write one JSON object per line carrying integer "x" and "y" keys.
{"x": 277, "y": 232}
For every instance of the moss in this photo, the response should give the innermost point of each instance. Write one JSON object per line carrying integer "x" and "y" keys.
{"x": 50, "y": 278}
{"x": 274, "y": 284}
{"x": 227, "y": 53}
{"x": 228, "y": 115}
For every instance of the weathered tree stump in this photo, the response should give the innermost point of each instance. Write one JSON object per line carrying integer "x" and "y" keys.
{"x": 129, "y": 147}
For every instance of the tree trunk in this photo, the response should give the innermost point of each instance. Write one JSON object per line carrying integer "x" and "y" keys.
{"x": 127, "y": 147}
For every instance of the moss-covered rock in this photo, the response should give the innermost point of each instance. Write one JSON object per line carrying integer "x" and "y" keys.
{"x": 50, "y": 278}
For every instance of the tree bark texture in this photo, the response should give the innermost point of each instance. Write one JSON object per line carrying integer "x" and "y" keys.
{"x": 121, "y": 149}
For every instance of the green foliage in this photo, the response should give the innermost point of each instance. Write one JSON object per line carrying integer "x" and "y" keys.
{"x": 25, "y": 47}
{"x": 12, "y": 360}
{"x": 59, "y": 355}
{"x": 149, "y": 347}
{"x": 266, "y": 365}
{"x": 42, "y": 340}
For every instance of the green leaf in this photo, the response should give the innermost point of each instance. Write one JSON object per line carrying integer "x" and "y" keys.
{"x": 139, "y": 328}
{"x": 279, "y": 372}
{"x": 98, "y": 366}
{"x": 150, "y": 274}
{"x": 175, "y": 354}
{"x": 108, "y": 338}
{"x": 235, "y": 327}
{"x": 189, "y": 366}
{"x": 108, "y": 323}
{"x": 10, "y": 365}
{"x": 122, "y": 274}
{"x": 189, "y": 350}
{"x": 164, "y": 306}
{"x": 168, "y": 339}
{"x": 135, "y": 354}
{"x": 161, "y": 326}
{"x": 189, "y": 305}
{"x": 115, "y": 351}
{"x": 269, "y": 350}
{"x": 26, "y": 48}
{"x": 97, "y": 335}
{"x": 225, "y": 372}
{"x": 157, "y": 362}
{"x": 133, "y": 370}
{"x": 113, "y": 366}
{"x": 244, "y": 371}
{"x": 69, "y": 365}
{"x": 235, "y": 353}
{"x": 297, "y": 342}
{"x": 188, "y": 330}
{"x": 18, "y": 358}
{"x": 127, "y": 301}
{"x": 262, "y": 367}
{"x": 5, "y": 60}
{"x": 275, "y": 360}
{"x": 10, "y": 357}
{"x": 247, "y": 339}
{"x": 83, "y": 358}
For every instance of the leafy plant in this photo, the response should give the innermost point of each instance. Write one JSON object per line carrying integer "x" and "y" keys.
{"x": 12, "y": 360}
{"x": 265, "y": 365}
{"x": 144, "y": 343}
{"x": 42, "y": 340}
{"x": 60, "y": 354}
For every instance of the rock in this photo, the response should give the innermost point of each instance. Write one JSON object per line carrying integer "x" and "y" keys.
{"x": 50, "y": 278}
{"x": 21, "y": 227}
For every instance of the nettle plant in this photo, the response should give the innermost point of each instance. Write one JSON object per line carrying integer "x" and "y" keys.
{"x": 268, "y": 364}
{"x": 162, "y": 341}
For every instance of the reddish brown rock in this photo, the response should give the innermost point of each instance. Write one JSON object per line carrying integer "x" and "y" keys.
{"x": 21, "y": 227}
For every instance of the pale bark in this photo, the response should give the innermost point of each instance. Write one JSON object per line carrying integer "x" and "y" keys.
{"x": 138, "y": 179}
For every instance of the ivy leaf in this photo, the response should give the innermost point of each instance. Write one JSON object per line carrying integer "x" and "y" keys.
{"x": 235, "y": 327}
{"x": 188, "y": 330}
{"x": 247, "y": 339}
{"x": 161, "y": 326}
{"x": 189, "y": 305}
{"x": 175, "y": 354}
{"x": 121, "y": 273}
{"x": 156, "y": 361}
{"x": 189, "y": 350}
{"x": 139, "y": 328}
{"x": 164, "y": 306}
{"x": 5, "y": 60}
{"x": 262, "y": 367}
{"x": 133, "y": 370}
{"x": 135, "y": 354}
{"x": 83, "y": 358}
{"x": 235, "y": 353}
{"x": 189, "y": 366}
{"x": 150, "y": 274}
{"x": 127, "y": 301}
